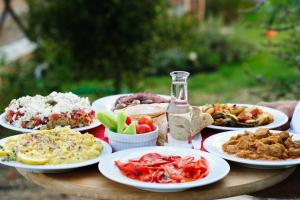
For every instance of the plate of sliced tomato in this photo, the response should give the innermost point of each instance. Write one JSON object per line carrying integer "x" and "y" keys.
{"x": 163, "y": 169}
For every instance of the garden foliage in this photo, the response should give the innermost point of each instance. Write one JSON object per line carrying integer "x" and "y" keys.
{"x": 124, "y": 40}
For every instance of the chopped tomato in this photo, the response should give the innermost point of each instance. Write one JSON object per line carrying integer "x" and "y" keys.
{"x": 254, "y": 111}
{"x": 142, "y": 128}
{"x": 24, "y": 123}
{"x": 145, "y": 119}
{"x": 9, "y": 116}
{"x": 54, "y": 117}
{"x": 128, "y": 120}
{"x": 37, "y": 121}
{"x": 243, "y": 117}
{"x": 154, "y": 167}
{"x": 92, "y": 114}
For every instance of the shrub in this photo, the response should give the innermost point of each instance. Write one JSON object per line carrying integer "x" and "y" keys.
{"x": 95, "y": 39}
{"x": 124, "y": 40}
{"x": 205, "y": 47}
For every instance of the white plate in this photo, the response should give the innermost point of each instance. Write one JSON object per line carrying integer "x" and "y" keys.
{"x": 109, "y": 102}
{"x": 279, "y": 119}
{"x": 56, "y": 168}
{"x": 4, "y": 123}
{"x": 218, "y": 168}
{"x": 213, "y": 144}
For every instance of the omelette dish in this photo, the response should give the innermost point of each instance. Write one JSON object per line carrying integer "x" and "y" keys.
{"x": 52, "y": 147}
{"x": 234, "y": 115}
{"x": 263, "y": 145}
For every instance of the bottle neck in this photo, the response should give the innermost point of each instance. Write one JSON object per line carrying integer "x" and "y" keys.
{"x": 179, "y": 93}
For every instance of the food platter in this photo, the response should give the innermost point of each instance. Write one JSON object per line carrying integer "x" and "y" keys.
{"x": 214, "y": 143}
{"x": 56, "y": 168}
{"x": 218, "y": 168}
{"x": 26, "y": 130}
{"x": 279, "y": 119}
{"x": 109, "y": 101}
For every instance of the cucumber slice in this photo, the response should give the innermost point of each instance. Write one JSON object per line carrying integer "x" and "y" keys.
{"x": 121, "y": 122}
{"x": 108, "y": 119}
{"x": 130, "y": 129}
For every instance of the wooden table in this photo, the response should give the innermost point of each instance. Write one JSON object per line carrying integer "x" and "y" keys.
{"x": 88, "y": 182}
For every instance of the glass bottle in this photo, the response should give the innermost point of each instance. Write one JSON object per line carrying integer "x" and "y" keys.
{"x": 179, "y": 112}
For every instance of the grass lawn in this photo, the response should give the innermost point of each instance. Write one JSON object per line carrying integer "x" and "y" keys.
{"x": 247, "y": 82}
{"x": 234, "y": 83}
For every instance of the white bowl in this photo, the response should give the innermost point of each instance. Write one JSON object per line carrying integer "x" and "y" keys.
{"x": 120, "y": 141}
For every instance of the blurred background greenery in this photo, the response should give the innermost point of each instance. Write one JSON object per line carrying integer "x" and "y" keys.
{"x": 236, "y": 50}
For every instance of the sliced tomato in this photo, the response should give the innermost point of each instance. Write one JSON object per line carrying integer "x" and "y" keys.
{"x": 154, "y": 167}
{"x": 192, "y": 172}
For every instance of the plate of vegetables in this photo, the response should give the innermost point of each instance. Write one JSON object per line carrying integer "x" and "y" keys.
{"x": 240, "y": 116}
{"x": 124, "y": 133}
{"x": 163, "y": 169}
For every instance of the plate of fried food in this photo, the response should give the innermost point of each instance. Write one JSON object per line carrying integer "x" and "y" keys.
{"x": 241, "y": 116}
{"x": 52, "y": 151}
{"x": 260, "y": 148}
{"x": 33, "y": 113}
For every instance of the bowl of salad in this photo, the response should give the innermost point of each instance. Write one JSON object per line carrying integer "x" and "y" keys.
{"x": 125, "y": 133}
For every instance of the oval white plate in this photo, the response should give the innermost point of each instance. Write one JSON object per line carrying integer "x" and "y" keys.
{"x": 279, "y": 119}
{"x": 4, "y": 123}
{"x": 218, "y": 168}
{"x": 56, "y": 168}
{"x": 109, "y": 102}
{"x": 213, "y": 144}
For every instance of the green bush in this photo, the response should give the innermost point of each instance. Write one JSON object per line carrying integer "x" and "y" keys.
{"x": 94, "y": 39}
{"x": 205, "y": 47}
{"x": 229, "y": 10}
{"x": 124, "y": 40}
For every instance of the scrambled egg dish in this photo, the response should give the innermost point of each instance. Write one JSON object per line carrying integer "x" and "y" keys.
{"x": 53, "y": 147}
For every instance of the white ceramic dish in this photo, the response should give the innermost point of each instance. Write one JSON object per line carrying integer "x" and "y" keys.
{"x": 218, "y": 168}
{"x": 109, "y": 101}
{"x": 279, "y": 119}
{"x": 56, "y": 168}
{"x": 213, "y": 144}
{"x": 4, "y": 123}
{"x": 120, "y": 141}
